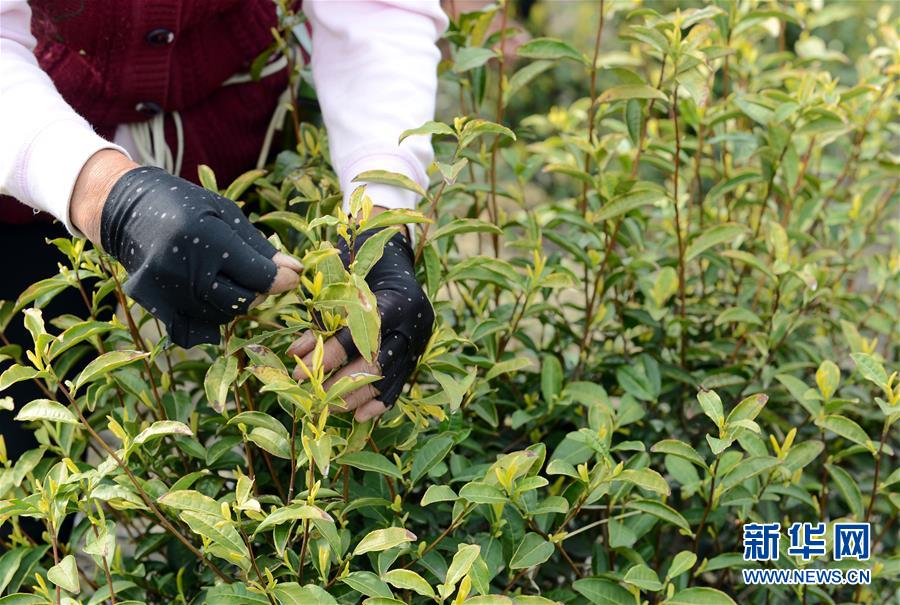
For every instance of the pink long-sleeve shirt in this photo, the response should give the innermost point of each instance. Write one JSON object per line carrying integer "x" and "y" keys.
{"x": 374, "y": 64}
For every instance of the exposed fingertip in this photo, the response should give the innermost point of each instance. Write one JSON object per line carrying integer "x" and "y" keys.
{"x": 369, "y": 410}
{"x": 285, "y": 280}
{"x": 287, "y": 261}
{"x": 257, "y": 301}
{"x": 302, "y": 345}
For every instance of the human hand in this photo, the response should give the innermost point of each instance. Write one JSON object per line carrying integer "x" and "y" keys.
{"x": 406, "y": 323}
{"x": 194, "y": 260}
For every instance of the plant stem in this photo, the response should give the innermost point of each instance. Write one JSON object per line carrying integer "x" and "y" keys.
{"x": 137, "y": 485}
{"x": 709, "y": 501}
{"x": 494, "y": 212}
{"x": 681, "y": 278}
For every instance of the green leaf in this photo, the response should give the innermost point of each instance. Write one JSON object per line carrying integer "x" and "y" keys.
{"x": 748, "y": 409}
{"x": 661, "y": 511}
{"x": 46, "y": 410}
{"x": 260, "y": 419}
{"x": 712, "y": 406}
{"x": 532, "y": 550}
{"x": 220, "y": 533}
{"x": 364, "y": 321}
{"x": 747, "y": 469}
{"x": 738, "y": 315}
{"x": 438, "y": 493}
{"x": 700, "y": 596}
{"x": 371, "y": 462}
{"x": 429, "y": 455}
{"x": 371, "y": 251}
{"x": 549, "y": 49}
{"x": 162, "y": 428}
{"x": 645, "y": 478}
{"x": 846, "y": 428}
{"x": 271, "y": 442}
{"x": 383, "y": 539}
{"x": 207, "y": 178}
{"x": 477, "y": 128}
{"x": 522, "y": 77}
{"x": 634, "y": 120}
{"x": 681, "y": 563}
{"x": 239, "y": 185}
{"x": 680, "y": 449}
{"x": 471, "y": 57}
{"x": 628, "y": 202}
{"x": 462, "y": 562}
{"x": 390, "y": 218}
{"x": 367, "y": 583}
{"x": 17, "y": 373}
{"x": 601, "y": 591}
{"x": 294, "y": 512}
{"x": 106, "y": 363}
{"x": 631, "y": 91}
{"x": 191, "y": 500}
{"x": 849, "y": 489}
{"x": 428, "y": 128}
{"x": 291, "y": 593}
{"x": 870, "y": 369}
{"x": 509, "y": 366}
{"x": 643, "y": 577}
{"x": 828, "y": 377}
{"x": 219, "y": 378}
{"x": 394, "y": 179}
{"x": 76, "y": 334}
{"x": 406, "y": 579}
{"x": 551, "y": 378}
{"x": 482, "y": 493}
{"x": 720, "y": 234}
{"x": 455, "y": 388}
{"x": 65, "y": 575}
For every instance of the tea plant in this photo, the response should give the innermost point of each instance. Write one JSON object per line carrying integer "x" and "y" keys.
{"x": 666, "y": 308}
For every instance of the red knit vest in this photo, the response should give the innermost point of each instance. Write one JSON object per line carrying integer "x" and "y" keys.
{"x": 126, "y": 60}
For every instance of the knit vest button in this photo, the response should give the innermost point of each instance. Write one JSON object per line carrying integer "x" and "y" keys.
{"x": 148, "y": 108}
{"x": 160, "y": 37}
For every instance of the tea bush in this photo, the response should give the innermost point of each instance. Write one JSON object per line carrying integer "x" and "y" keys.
{"x": 665, "y": 272}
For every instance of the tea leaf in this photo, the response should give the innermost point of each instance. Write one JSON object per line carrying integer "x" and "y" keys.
{"x": 106, "y": 363}
{"x": 549, "y": 49}
{"x": 383, "y": 539}
{"x": 46, "y": 410}
{"x": 406, "y": 579}
{"x": 219, "y": 378}
{"x": 161, "y": 428}
{"x": 371, "y": 462}
{"x": 532, "y": 550}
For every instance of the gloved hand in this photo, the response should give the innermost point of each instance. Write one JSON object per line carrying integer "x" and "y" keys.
{"x": 193, "y": 259}
{"x": 406, "y": 323}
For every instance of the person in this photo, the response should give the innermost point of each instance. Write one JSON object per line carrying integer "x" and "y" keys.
{"x": 98, "y": 98}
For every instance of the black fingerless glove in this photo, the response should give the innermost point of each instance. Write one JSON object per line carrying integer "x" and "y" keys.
{"x": 406, "y": 314}
{"x": 193, "y": 259}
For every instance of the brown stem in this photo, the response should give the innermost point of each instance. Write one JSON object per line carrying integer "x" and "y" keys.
{"x": 709, "y": 501}
{"x": 112, "y": 592}
{"x": 590, "y": 134}
{"x": 681, "y": 278}
{"x": 493, "y": 211}
{"x": 293, "y": 455}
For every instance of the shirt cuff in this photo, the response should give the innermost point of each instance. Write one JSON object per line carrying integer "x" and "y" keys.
{"x": 54, "y": 160}
{"x": 387, "y": 196}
